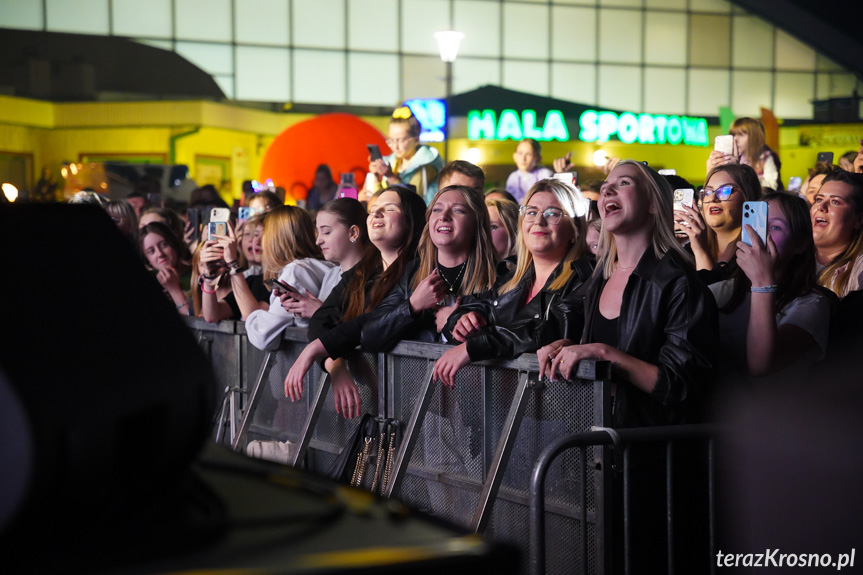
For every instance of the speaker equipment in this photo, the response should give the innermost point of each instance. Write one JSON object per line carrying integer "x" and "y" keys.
{"x": 105, "y": 402}
{"x": 109, "y": 396}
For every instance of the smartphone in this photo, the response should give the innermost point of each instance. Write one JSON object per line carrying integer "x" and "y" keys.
{"x": 755, "y": 215}
{"x": 826, "y": 157}
{"x": 374, "y": 152}
{"x": 244, "y": 214}
{"x": 348, "y": 186}
{"x": 570, "y": 178}
{"x": 794, "y": 183}
{"x": 724, "y": 144}
{"x": 220, "y": 215}
{"x": 194, "y": 217}
{"x": 683, "y": 197}
{"x": 278, "y": 285}
{"x": 668, "y": 172}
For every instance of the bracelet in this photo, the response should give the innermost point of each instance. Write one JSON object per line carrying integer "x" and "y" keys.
{"x": 207, "y": 292}
{"x": 764, "y": 289}
{"x": 182, "y": 305}
{"x": 234, "y": 265}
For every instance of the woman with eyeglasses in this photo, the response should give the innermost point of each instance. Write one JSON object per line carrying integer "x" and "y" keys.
{"x": 522, "y": 313}
{"x": 410, "y": 162}
{"x": 714, "y": 231}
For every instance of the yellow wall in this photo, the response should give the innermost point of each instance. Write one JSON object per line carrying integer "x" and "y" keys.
{"x": 56, "y": 133}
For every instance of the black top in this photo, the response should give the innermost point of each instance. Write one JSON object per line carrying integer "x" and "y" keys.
{"x": 258, "y": 289}
{"x": 605, "y": 330}
{"x": 515, "y": 325}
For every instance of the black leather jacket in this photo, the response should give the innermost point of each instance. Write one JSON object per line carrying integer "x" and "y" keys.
{"x": 667, "y": 318}
{"x": 515, "y": 327}
{"x": 392, "y": 321}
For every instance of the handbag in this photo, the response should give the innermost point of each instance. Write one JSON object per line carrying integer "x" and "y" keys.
{"x": 367, "y": 459}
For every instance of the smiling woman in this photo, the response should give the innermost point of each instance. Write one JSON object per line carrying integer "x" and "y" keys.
{"x": 530, "y": 306}
{"x": 456, "y": 257}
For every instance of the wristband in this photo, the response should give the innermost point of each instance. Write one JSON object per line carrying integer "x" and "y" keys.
{"x": 764, "y": 289}
{"x": 234, "y": 265}
{"x": 207, "y": 292}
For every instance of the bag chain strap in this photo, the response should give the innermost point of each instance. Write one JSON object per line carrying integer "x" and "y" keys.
{"x": 380, "y": 458}
{"x": 362, "y": 456}
{"x": 390, "y": 454}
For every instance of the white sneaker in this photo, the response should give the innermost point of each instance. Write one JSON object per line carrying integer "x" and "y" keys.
{"x": 276, "y": 451}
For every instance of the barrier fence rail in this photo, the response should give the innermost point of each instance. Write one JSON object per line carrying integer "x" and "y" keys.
{"x": 466, "y": 454}
{"x": 623, "y": 440}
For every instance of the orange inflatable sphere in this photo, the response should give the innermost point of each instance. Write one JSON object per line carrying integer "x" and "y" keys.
{"x": 338, "y": 140}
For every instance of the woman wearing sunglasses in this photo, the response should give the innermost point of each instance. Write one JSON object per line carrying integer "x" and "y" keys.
{"x": 714, "y": 231}
{"x": 522, "y": 312}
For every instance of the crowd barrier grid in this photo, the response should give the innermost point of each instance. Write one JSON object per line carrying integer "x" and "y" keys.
{"x": 466, "y": 453}
{"x": 621, "y": 439}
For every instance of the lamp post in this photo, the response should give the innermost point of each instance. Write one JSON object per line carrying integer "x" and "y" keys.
{"x": 448, "y": 45}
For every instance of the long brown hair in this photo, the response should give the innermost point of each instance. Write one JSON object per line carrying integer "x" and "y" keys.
{"x": 565, "y": 196}
{"x": 289, "y": 235}
{"x": 798, "y": 270}
{"x": 351, "y": 213}
{"x": 479, "y": 275}
{"x": 413, "y": 209}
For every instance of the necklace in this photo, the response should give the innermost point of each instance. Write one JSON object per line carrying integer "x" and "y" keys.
{"x": 452, "y": 284}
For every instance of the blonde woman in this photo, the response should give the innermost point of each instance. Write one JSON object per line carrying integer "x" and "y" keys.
{"x": 522, "y": 314}
{"x": 290, "y": 254}
{"x": 648, "y": 314}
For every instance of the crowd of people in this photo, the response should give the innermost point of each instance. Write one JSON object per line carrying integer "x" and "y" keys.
{"x": 678, "y": 297}
{"x": 682, "y": 300}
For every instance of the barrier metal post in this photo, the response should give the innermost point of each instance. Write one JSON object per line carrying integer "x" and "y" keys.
{"x": 253, "y": 400}
{"x": 412, "y": 430}
{"x": 312, "y": 419}
{"x": 491, "y": 485}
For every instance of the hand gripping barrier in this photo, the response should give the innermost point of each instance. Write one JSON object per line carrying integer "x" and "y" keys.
{"x": 465, "y": 454}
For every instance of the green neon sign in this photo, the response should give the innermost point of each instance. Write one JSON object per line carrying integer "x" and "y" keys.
{"x": 484, "y": 125}
{"x": 643, "y": 128}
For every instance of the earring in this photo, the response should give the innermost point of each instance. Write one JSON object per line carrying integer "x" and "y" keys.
{"x": 353, "y": 240}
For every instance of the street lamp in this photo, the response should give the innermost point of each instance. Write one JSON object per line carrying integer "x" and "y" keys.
{"x": 448, "y": 42}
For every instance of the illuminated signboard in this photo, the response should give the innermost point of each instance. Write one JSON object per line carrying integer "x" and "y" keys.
{"x": 431, "y": 114}
{"x": 595, "y": 127}
{"x": 642, "y": 128}
{"x": 484, "y": 125}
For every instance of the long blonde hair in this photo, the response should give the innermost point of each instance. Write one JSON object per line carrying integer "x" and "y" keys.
{"x": 662, "y": 227}
{"x": 479, "y": 275}
{"x": 567, "y": 199}
{"x": 289, "y": 235}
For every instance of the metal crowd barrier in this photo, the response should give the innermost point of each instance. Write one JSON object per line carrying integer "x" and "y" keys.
{"x": 466, "y": 453}
{"x": 623, "y": 441}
